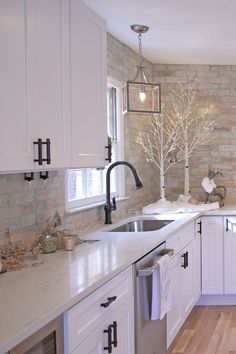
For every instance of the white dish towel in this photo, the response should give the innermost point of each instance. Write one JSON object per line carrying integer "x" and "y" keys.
{"x": 161, "y": 292}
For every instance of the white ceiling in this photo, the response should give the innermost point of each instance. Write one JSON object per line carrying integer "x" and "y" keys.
{"x": 181, "y": 31}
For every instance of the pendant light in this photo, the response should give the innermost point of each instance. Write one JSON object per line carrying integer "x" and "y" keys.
{"x": 140, "y": 95}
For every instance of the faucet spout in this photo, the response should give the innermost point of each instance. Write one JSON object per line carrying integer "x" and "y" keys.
{"x": 109, "y": 207}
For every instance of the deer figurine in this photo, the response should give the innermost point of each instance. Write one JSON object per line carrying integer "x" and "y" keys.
{"x": 214, "y": 193}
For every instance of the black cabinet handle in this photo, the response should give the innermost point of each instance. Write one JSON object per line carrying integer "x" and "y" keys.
{"x": 48, "y": 145}
{"x": 109, "y": 339}
{"x": 185, "y": 260}
{"x": 40, "y": 144}
{"x": 114, "y": 326}
{"x": 113, "y": 203}
{"x": 227, "y": 225}
{"x": 109, "y": 147}
{"x": 109, "y": 301}
{"x": 200, "y": 227}
{"x": 40, "y": 152}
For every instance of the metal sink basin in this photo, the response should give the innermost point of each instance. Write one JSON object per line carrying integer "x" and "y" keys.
{"x": 141, "y": 225}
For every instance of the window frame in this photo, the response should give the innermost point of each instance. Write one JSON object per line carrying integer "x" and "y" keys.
{"x": 92, "y": 202}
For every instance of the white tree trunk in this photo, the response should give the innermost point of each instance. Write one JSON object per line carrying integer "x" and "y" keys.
{"x": 162, "y": 181}
{"x": 186, "y": 170}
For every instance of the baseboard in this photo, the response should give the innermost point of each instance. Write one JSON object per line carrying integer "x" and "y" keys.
{"x": 216, "y": 300}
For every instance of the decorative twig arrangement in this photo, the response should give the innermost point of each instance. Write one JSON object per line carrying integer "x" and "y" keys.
{"x": 177, "y": 132}
{"x": 160, "y": 145}
{"x": 195, "y": 124}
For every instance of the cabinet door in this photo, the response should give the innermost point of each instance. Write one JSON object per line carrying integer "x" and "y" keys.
{"x": 185, "y": 269}
{"x": 93, "y": 344}
{"x": 229, "y": 258}
{"x": 88, "y": 86}
{"x": 124, "y": 319}
{"x": 48, "y": 78}
{"x": 212, "y": 255}
{"x": 198, "y": 273}
{"x": 188, "y": 279}
{"x": 16, "y": 147}
{"x": 174, "y": 315}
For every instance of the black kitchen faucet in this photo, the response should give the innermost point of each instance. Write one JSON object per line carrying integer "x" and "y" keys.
{"x": 110, "y": 206}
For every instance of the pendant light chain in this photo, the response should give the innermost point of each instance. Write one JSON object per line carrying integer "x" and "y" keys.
{"x": 140, "y": 47}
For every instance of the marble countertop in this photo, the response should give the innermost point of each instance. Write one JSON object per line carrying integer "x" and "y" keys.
{"x": 32, "y": 297}
{"x": 228, "y": 209}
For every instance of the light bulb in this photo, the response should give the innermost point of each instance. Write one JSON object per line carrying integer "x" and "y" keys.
{"x": 142, "y": 94}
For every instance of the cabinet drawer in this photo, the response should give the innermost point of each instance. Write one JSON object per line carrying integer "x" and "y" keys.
{"x": 174, "y": 243}
{"x": 181, "y": 239}
{"x": 187, "y": 235}
{"x": 85, "y": 317}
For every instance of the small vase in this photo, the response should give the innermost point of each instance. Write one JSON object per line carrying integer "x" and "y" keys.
{"x": 69, "y": 242}
{"x": 49, "y": 244}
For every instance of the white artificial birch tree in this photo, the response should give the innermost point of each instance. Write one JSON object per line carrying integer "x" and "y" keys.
{"x": 195, "y": 123}
{"x": 159, "y": 145}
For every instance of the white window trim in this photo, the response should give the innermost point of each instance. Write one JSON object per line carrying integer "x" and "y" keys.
{"x": 92, "y": 206}
{"x": 72, "y": 206}
{"x": 120, "y": 131}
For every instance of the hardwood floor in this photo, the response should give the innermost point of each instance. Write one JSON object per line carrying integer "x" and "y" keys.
{"x": 208, "y": 330}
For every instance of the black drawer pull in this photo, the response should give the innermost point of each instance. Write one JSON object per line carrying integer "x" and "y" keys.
{"x": 109, "y": 340}
{"x": 114, "y": 326}
{"x": 109, "y": 301}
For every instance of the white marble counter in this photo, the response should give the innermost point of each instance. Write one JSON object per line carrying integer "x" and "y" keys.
{"x": 228, "y": 209}
{"x": 32, "y": 297}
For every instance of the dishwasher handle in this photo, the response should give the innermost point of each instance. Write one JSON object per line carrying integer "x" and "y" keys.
{"x": 149, "y": 270}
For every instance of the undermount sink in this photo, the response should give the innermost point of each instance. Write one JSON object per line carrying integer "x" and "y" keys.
{"x": 141, "y": 225}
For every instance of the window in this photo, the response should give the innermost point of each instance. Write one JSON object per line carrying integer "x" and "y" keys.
{"x": 86, "y": 187}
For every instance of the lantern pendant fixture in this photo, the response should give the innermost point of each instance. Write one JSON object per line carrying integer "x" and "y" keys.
{"x": 140, "y": 95}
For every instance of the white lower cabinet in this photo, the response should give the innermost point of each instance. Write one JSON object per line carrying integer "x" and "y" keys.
{"x": 218, "y": 255}
{"x": 174, "y": 317}
{"x": 116, "y": 335}
{"x": 188, "y": 277}
{"x": 212, "y": 255}
{"x": 185, "y": 269}
{"x": 104, "y": 321}
{"x": 229, "y": 255}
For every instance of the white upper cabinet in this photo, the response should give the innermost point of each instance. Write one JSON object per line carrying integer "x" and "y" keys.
{"x": 16, "y": 148}
{"x": 88, "y": 86}
{"x": 47, "y": 39}
{"x": 53, "y": 85}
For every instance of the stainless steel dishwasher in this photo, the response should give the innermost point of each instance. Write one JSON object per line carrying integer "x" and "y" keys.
{"x": 150, "y": 336}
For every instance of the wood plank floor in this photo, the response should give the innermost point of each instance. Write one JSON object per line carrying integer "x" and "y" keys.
{"x": 208, "y": 330}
